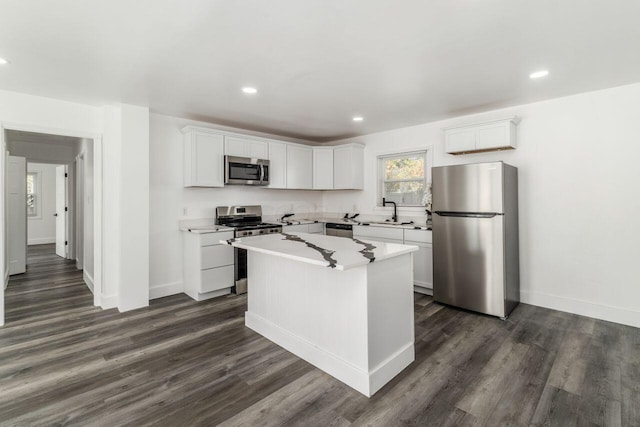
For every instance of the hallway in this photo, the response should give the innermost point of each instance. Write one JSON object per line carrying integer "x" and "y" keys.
{"x": 50, "y": 284}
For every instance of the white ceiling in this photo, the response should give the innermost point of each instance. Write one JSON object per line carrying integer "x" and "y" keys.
{"x": 317, "y": 63}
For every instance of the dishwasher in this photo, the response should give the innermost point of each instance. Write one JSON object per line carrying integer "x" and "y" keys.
{"x": 339, "y": 230}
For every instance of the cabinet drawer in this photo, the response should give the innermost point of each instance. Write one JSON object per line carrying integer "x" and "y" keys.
{"x": 378, "y": 232}
{"x": 420, "y": 236}
{"x": 302, "y": 228}
{"x": 316, "y": 228}
{"x": 216, "y": 256}
{"x": 207, "y": 239}
{"x": 216, "y": 278}
{"x": 380, "y": 239}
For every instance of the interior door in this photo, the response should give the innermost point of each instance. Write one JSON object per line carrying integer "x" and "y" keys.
{"x": 61, "y": 214}
{"x": 17, "y": 214}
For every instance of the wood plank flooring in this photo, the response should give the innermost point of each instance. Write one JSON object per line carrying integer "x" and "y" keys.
{"x": 184, "y": 363}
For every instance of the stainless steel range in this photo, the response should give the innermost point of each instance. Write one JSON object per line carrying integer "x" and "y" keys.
{"x": 246, "y": 221}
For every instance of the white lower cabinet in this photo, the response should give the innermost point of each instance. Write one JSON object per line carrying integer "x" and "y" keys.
{"x": 382, "y": 234}
{"x": 299, "y": 228}
{"x": 315, "y": 228}
{"x": 422, "y": 260}
{"x": 208, "y": 265}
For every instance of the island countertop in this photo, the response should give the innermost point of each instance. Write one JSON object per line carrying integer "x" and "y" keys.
{"x": 329, "y": 251}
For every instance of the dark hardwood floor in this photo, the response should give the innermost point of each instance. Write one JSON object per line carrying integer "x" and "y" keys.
{"x": 183, "y": 363}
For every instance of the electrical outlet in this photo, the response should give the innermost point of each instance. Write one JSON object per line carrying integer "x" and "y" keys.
{"x": 355, "y": 208}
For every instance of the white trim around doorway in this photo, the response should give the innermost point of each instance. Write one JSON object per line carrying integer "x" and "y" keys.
{"x": 96, "y": 280}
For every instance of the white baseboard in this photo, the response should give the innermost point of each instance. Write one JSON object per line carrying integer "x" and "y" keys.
{"x": 88, "y": 280}
{"x": 41, "y": 241}
{"x": 160, "y": 291}
{"x": 583, "y": 308}
{"x": 359, "y": 379}
{"x": 109, "y": 301}
{"x": 422, "y": 289}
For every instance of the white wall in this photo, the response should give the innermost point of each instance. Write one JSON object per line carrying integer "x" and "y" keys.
{"x": 114, "y": 126}
{"x": 170, "y": 201}
{"x": 42, "y": 229}
{"x": 134, "y": 205}
{"x": 88, "y": 223}
{"x": 39, "y": 113}
{"x": 579, "y": 200}
{"x": 126, "y": 207}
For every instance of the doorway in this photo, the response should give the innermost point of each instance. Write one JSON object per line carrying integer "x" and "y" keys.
{"x": 47, "y": 197}
{"x": 62, "y": 215}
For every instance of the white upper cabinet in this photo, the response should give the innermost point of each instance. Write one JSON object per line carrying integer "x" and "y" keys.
{"x": 203, "y": 152}
{"x": 294, "y": 166}
{"x": 277, "y": 164}
{"x": 348, "y": 167}
{"x": 323, "y": 168}
{"x": 489, "y": 136}
{"x": 245, "y": 147}
{"x": 299, "y": 166}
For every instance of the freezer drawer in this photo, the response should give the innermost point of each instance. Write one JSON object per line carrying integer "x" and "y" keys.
{"x": 468, "y": 256}
{"x": 468, "y": 188}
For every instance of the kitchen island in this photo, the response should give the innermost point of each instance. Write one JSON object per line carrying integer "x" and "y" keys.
{"x": 344, "y": 305}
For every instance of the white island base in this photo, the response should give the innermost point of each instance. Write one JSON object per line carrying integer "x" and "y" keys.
{"x": 355, "y": 324}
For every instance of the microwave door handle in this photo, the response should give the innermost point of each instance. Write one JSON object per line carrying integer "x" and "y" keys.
{"x": 261, "y": 173}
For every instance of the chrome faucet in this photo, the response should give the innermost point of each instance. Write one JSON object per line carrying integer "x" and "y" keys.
{"x": 395, "y": 209}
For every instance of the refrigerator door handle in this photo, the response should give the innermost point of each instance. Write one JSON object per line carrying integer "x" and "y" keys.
{"x": 468, "y": 214}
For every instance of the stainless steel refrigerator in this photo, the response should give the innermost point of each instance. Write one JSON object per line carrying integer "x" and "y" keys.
{"x": 475, "y": 237}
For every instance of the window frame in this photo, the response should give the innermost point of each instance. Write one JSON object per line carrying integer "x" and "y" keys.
{"x": 37, "y": 183}
{"x": 426, "y": 151}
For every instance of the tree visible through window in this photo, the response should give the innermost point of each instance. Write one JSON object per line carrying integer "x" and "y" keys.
{"x": 32, "y": 194}
{"x": 403, "y": 178}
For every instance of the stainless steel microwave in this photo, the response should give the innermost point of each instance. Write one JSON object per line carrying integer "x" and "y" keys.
{"x": 246, "y": 171}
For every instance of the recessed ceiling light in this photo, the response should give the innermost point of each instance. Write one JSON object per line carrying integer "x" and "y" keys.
{"x": 538, "y": 74}
{"x": 249, "y": 90}
{"x": 358, "y": 118}
{"x": 3, "y": 61}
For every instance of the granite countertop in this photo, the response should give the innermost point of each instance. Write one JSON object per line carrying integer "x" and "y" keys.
{"x": 203, "y": 229}
{"x": 212, "y": 228}
{"x": 414, "y": 226}
{"x": 328, "y": 251}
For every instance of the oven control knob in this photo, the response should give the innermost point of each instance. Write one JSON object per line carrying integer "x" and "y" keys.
{"x": 261, "y": 231}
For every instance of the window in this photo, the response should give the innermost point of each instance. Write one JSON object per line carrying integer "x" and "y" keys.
{"x": 33, "y": 189}
{"x": 402, "y": 178}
